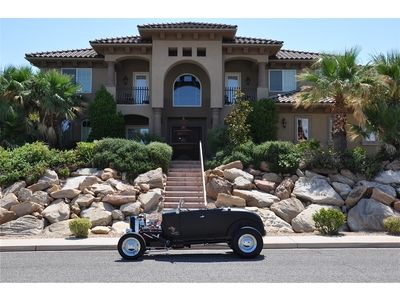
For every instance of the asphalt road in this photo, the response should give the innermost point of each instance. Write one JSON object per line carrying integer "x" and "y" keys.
{"x": 292, "y": 265}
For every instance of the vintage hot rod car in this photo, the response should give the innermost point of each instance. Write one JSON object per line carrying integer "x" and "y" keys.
{"x": 241, "y": 229}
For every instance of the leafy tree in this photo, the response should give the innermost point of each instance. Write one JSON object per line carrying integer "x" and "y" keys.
{"x": 104, "y": 118}
{"x": 236, "y": 120}
{"x": 263, "y": 121}
{"x": 341, "y": 78}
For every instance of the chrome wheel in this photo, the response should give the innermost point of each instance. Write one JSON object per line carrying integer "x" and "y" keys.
{"x": 247, "y": 243}
{"x": 131, "y": 246}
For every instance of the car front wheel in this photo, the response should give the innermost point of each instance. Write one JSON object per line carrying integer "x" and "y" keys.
{"x": 131, "y": 246}
{"x": 247, "y": 242}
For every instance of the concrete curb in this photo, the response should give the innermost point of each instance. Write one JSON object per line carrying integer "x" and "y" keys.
{"x": 270, "y": 242}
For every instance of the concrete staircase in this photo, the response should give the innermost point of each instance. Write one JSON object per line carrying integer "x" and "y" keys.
{"x": 184, "y": 182}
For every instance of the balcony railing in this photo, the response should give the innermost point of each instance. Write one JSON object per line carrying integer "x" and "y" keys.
{"x": 232, "y": 92}
{"x": 136, "y": 95}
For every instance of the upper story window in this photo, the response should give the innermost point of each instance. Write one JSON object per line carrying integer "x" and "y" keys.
{"x": 187, "y": 91}
{"x": 80, "y": 76}
{"x": 187, "y": 52}
{"x": 172, "y": 51}
{"x": 282, "y": 80}
{"x": 201, "y": 51}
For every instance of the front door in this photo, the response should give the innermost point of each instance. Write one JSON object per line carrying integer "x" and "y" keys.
{"x": 185, "y": 142}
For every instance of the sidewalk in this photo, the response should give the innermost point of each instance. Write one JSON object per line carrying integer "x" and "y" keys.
{"x": 270, "y": 242}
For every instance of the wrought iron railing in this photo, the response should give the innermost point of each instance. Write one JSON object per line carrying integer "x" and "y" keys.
{"x": 231, "y": 94}
{"x": 136, "y": 95}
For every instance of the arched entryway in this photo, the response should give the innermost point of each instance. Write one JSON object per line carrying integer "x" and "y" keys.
{"x": 136, "y": 126}
{"x": 186, "y": 112}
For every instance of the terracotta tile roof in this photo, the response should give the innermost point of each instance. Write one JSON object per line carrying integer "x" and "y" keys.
{"x": 77, "y": 53}
{"x": 187, "y": 25}
{"x": 292, "y": 54}
{"x": 135, "y": 39}
{"x": 249, "y": 40}
{"x": 290, "y": 98}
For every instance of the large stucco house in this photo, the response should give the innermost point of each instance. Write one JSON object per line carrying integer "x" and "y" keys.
{"x": 178, "y": 80}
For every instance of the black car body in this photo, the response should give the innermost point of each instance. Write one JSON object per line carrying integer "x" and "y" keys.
{"x": 240, "y": 228}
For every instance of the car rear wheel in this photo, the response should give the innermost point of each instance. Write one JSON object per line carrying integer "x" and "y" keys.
{"x": 247, "y": 242}
{"x": 131, "y": 246}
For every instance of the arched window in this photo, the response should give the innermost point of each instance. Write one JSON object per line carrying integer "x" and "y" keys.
{"x": 187, "y": 91}
{"x": 85, "y": 130}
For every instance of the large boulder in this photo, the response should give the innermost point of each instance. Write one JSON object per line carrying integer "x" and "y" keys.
{"x": 242, "y": 183}
{"x": 100, "y": 230}
{"x": 117, "y": 215}
{"x": 23, "y": 226}
{"x": 150, "y": 200}
{"x": 383, "y": 187}
{"x": 287, "y": 209}
{"x": 342, "y": 179}
{"x": 256, "y": 198}
{"x": 6, "y": 215}
{"x": 342, "y": 189}
{"x": 265, "y": 185}
{"x": 355, "y": 195}
{"x": 88, "y": 181}
{"x": 120, "y": 227}
{"x": 229, "y": 201}
{"x": 97, "y": 215}
{"x": 316, "y": 190}
{"x": 24, "y": 194}
{"x": 8, "y": 200}
{"x": 237, "y": 164}
{"x": 130, "y": 209}
{"x": 86, "y": 172}
{"x": 25, "y": 208}
{"x": 59, "y": 229}
{"x": 14, "y": 188}
{"x": 382, "y": 197}
{"x": 102, "y": 189}
{"x": 57, "y": 211}
{"x": 232, "y": 174}
{"x": 272, "y": 223}
{"x": 272, "y": 177}
{"x": 218, "y": 185}
{"x": 368, "y": 215}
{"x": 83, "y": 200}
{"x": 65, "y": 193}
{"x": 40, "y": 186}
{"x": 73, "y": 182}
{"x": 304, "y": 222}
{"x": 50, "y": 176}
{"x": 394, "y": 165}
{"x": 350, "y": 175}
{"x": 388, "y": 177}
{"x": 41, "y": 198}
{"x": 117, "y": 199}
{"x": 153, "y": 178}
{"x": 284, "y": 189}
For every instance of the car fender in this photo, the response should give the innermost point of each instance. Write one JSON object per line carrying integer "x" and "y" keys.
{"x": 242, "y": 224}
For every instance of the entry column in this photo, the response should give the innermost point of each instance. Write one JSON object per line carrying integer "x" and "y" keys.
{"x": 157, "y": 121}
{"x": 262, "y": 90}
{"x": 111, "y": 78}
{"x": 215, "y": 117}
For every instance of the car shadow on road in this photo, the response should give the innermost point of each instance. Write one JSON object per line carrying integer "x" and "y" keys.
{"x": 193, "y": 257}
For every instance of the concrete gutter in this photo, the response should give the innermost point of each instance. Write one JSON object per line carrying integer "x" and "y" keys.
{"x": 270, "y": 242}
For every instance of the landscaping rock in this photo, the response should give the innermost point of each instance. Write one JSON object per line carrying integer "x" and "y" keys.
{"x": 73, "y": 182}
{"x": 242, "y": 183}
{"x": 396, "y": 205}
{"x": 287, "y": 209}
{"x": 150, "y": 200}
{"x": 342, "y": 189}
{"x": 350, "y": 175}
{"x": 311, "y": 174}
{"x": 65, "y": 193}
{"x": 120, "y": 227}
{"x": 57, "y": 211}
{"x": 383, "y": 187}
{"x": 272, "y": 223}
{"x": 153, "y": 178}
{"x": 368, "y": 215}
{"x": 317, "y": 191}
{"x": 117, "y": 215}
{"x": 382, "y": 197}
{"x": 97, "y": 215}
{"x": 117, "y": 200}
{"x": 50, "y": 176}
{"x": 284, "y": 189}
{"x": 54, "y": 188}
{"x": 264, "y": 166}
{"x": 25, "y": 208}
{"x": 126, "y": 189}
{"x": 144, "y": 187}
{"x": 88, "y": 181}
{"x": 106, "y": 175}
{"x": 41, "y": 198}
{"x": 303, "y": 222}
{"x": 237, "y": 164}
{"x": 388, "y": 177}
{"x": 8, "y": 200}
{"x": 24, "y": 194}
{"x": 83, "y": 200}
{"x": 86, "y": 172}
{"x": 100, "y": 230}
{"x": 23, "y": 226}
{"x": 14, "y": 188}
{"x": 342, "y": 179}
{"x": 355, "y": 195}
{"x": 102, "y": 189}
{"x": 131, "y": 209}
{"x": 256, "y": 198}
{"x": 103, "y": 205}
{"x": 253, "y": 171}
{"x": 394, "y": 165}
{"x": 39, "y": 186}
{"x": 59, "y": 229}
{"x": 229, "y": 201}
{"x": 75, "y": 208}
{"x": 272, "y": 177}
{"x": 265, "y": 185}
{"x": 216, "y": 186}
{"x": 6, "y": 216}
{"x": 232, "y": 174}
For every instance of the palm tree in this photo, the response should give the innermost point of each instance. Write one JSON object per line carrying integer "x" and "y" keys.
{"x": 338, "y": 77}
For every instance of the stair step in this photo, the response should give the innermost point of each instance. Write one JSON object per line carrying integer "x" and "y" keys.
{"x": 185, "y": 198}
{"x": 186, "y": 174}
{"x": 191, "y": 183}
{"x": 185, "y": 162}
{"x": 196, "y": 188}
{"x": 183, "y": 178}
{"x": 186, "y": 205}
{"x": 183, "y": 194}
{"x": 188, "y": 170}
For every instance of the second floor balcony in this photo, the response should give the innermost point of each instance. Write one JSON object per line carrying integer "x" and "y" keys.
{"x": 135, "y": 95}
{"x": 231, "y": 94}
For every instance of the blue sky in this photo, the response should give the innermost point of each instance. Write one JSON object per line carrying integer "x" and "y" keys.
{"x": 20, "y": 36}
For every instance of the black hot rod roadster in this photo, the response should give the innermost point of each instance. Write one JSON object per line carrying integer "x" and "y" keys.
{"x": 241, "y": 229}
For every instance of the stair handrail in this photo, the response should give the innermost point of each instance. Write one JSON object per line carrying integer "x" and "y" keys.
{"x": 202, "y": 173}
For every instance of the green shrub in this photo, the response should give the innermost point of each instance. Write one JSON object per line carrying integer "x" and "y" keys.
{"x": 321, "y": 159}
{"x": 263, "y": 120}
{"x": 217, "y": 139}
{"x": 85, "y": 152}
{"x": 80, "y": 227}
{"x": 104, "y": 118}
{"x": 309, "y": 145}
{"x": 357, "y": 161}
{"x": 328, "y": 221}
{"x": 392, "y": 224}
{"x": 160, "y": 154}
{"x": 147, "y": 138}
{"x": 64, "y": 172}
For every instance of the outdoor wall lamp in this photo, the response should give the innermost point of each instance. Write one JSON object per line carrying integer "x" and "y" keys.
{"x": 125, "y": 80}
{"x": 247, "y": 80}
{"x": 283, "y": 122}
